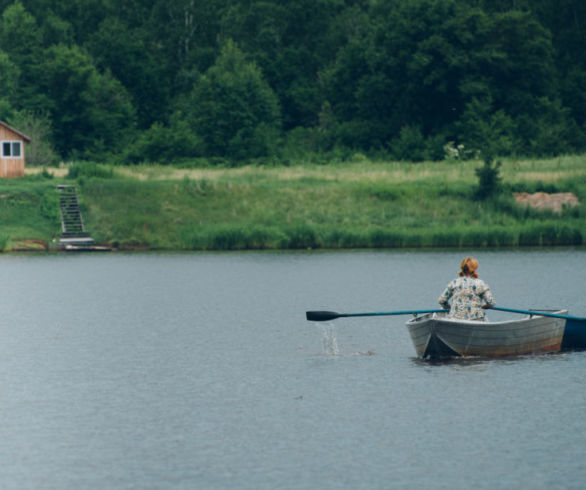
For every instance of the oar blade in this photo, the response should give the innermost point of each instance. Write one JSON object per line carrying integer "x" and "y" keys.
{"x": 321, "y": 316}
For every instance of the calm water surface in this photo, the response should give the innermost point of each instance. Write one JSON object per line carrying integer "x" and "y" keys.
{"x": 199, "y": 371}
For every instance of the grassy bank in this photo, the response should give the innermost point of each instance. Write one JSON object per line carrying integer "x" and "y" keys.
{"x": 29, "y": 212}
{"x": 346, "y": 205}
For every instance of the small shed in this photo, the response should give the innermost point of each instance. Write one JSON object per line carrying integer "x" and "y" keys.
{"x": 11, "y": 151}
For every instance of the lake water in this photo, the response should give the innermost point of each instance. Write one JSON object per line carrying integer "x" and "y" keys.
{"x": 199, "y": 371}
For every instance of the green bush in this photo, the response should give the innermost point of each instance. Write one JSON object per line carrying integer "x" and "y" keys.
{"x": 489, "y": 180}
{"x": 434, "y": 148}
{"x": 409, "y": 145}
{"x": 163, "y": 144}
{"x": 299, "y": 143}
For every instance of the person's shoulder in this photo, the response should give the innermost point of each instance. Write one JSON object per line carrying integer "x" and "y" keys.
{"x": 456, "y": 283}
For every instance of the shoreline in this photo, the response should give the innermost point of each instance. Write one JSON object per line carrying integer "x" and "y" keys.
{"x": 345, "y": 205}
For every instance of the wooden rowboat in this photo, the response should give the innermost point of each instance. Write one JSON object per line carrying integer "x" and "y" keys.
{"x": 435, "y": 335}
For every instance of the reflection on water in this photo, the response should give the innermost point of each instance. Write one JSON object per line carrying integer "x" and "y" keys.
{"x": 468, "y": 361}
{"x": 474, "y": 360}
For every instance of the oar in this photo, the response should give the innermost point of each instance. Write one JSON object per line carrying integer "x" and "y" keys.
{"x": 324, "y": 316}
{"x": 540, "y": 313}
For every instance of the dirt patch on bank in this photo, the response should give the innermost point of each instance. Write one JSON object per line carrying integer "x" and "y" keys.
{"x": 547, "y": 202}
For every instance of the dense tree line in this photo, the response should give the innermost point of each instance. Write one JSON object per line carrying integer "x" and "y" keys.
{"x": 153, "y": 80}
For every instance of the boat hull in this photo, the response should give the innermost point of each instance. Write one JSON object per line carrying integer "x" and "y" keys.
{"x": 574, "y": 335}
{"x": 438, "y": 336}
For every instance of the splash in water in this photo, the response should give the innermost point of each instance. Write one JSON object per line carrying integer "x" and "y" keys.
{"x": 329, "y": 340}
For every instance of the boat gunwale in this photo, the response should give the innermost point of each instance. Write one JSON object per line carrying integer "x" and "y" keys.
{"x": 445, "y": 319}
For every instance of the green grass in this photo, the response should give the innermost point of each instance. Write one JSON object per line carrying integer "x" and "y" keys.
{"x": 29, "y": 209}
{"x": 345, "y": 205}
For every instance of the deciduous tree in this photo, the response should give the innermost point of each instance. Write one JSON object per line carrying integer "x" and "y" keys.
{"x": 91, "y": 111}
{"x": 233, "y": 109}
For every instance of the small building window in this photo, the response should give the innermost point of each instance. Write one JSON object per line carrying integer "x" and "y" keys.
{"x": 12, "y": 149}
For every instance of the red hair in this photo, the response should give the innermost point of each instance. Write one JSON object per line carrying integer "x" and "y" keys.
{"x": 468, "y": 267}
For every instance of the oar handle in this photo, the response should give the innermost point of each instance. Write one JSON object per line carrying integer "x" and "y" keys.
{"x": 539, "y": 312}
{"x": 324, "y": 316}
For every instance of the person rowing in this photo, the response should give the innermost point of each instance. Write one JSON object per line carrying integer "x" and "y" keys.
{"x": 470, "y": 295}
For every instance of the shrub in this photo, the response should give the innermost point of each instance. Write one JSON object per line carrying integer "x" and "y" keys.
{"x": 409, "y": 146}
{"x": 489, "y": 180}
{"x": 299, "y": 142}
{"x": 434, "y": 148}
{"x": 162, "y": 144}
{"x": 360, "y": 134}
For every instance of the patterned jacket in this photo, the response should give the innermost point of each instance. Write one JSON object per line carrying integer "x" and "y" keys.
{"x": 468, "y": 294}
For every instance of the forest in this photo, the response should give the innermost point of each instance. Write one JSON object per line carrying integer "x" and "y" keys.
{"x": 211, "y": 82}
